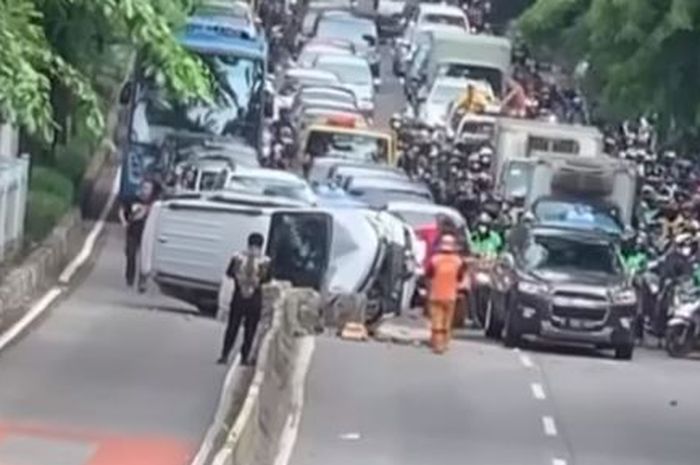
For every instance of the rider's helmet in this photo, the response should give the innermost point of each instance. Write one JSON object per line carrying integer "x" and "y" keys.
{"x": 474, "y": 163}
{"x": 485, "y": 156}
{"x": 668, "y": 157}
{"x": 483, "y": 223}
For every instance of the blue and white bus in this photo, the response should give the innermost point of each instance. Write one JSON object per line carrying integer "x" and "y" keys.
{"x": 235, "y": 52}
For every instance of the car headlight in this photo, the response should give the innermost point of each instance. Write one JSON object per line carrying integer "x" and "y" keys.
{"x": 529, "y": 287}
{"x": 483, "y": 278}
{"x": 624, "y": 297}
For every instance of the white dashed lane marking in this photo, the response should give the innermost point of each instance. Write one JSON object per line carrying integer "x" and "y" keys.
{"x": 558, "y": 462}
{"x": 550, "y": 428}
{"x": 538, "y": 391}
{"x": 526, "y": 361}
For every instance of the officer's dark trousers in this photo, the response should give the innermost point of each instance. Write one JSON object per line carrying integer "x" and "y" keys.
{"x": 133, "y": 245}
{"x": 247, "y": 311}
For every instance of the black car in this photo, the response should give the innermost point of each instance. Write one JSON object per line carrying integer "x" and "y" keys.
{"x": 562, "y": 284}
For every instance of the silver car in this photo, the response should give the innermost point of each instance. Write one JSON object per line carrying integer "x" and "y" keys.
{"x": 362, "y": 32}
{"x": 354, "y": 73}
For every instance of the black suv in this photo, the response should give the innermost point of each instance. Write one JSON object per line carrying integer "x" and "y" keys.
{"x": 562, "y": 284}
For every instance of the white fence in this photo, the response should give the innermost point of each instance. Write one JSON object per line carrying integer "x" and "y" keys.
{"x": 14, "y": 177}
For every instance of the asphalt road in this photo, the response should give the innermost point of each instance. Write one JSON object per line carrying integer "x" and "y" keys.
{"x": 482, "y": 404}
{"x": 110, "y": 377}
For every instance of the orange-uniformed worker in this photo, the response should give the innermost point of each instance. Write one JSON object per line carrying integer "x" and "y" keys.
{"x": 445, "y": 272}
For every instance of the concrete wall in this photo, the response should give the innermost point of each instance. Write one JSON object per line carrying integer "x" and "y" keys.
{"x": 9, "y": 141}
{"x": 290, "y": 318}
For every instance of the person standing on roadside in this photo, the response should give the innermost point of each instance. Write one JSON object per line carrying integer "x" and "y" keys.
{"x": 445, "y": 273}
{"x": 249, "y": 269}
{"x": 133, "y": 215}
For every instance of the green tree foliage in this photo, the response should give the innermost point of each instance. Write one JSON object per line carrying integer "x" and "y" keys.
{"x": 643, "y": 54}
{"x": 49, "y": 49}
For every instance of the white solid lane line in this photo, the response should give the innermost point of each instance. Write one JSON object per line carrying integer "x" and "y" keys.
{"x": 538, "y": 391}
{"x": 34, "y": 312}
{"x": 526, "y": 361}
{"x": 550, "y": 428}
{"x": 558, "y": 462}
{"x": 89, "y": 245}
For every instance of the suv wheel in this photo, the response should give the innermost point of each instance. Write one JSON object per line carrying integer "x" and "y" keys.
{"x": 493, "y": 326}
{"x": 624, "y": 352}
{"x": 511, "y": 336}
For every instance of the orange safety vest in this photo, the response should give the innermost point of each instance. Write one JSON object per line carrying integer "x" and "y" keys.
{"x": 445, "y": 272}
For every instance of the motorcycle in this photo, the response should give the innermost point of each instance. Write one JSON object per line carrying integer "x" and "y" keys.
{"x": 480, "y": 289}
{"x": 683, "y": 327}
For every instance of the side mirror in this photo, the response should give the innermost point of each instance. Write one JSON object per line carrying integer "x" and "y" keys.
{"x": 125, "y": 93}
{"x": 370, "y": 39}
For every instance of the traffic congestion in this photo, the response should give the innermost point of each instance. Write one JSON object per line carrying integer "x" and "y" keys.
{"x": 573, "y": 232}
{"x": 320, "y": 232}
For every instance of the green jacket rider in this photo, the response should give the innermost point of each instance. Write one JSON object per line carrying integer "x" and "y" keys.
{"x": 635, "y": 262}
{"x": 636, "y": 259}
{"x": 485, "y": 242}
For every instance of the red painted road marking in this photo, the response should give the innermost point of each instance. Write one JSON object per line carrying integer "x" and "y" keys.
{"x": 112, "y": 449}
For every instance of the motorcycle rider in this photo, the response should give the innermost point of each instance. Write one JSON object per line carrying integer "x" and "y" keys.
{"x": 673, "y": 221}
{"x": 485, "y": 241}
{"x": 635, "y": 257}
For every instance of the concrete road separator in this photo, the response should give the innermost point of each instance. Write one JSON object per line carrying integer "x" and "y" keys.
{"x": 291, "y": 427}
{"x": 220, "y": 416}
{"x": 270, "y": 415}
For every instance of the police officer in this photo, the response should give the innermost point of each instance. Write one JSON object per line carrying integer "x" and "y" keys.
{"x": 250, "y": 269}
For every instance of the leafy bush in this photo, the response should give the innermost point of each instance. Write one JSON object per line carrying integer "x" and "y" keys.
{"x": 44, "y": 210}
{"x": 72, "y": 160}
{"x": 51, "y": 181}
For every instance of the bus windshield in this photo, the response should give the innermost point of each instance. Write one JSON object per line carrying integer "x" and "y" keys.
{"x": 236, "y": 109}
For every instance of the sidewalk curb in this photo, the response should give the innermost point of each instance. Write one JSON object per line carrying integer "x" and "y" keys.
{"x": 43, "y": 303}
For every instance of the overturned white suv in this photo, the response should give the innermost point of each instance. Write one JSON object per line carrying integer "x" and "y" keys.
{"x": 188, "y": 242}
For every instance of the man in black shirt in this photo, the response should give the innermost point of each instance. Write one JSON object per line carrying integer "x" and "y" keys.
{"x": 249, "y": 269}
{"x": 133, "y": 215}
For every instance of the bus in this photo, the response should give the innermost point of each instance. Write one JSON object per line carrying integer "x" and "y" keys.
{"x": 235, "y": 53}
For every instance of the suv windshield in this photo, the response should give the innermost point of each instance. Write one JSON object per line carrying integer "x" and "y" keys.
{"x": 577, "y": 214}
{"x": 544, "y": 252}
{"x": 234, "y": 112}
